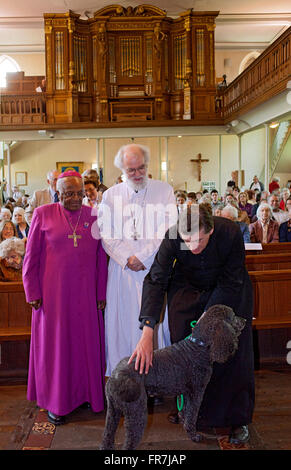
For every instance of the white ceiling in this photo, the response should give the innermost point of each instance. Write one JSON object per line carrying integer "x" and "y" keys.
{"x": 244, "y": 24}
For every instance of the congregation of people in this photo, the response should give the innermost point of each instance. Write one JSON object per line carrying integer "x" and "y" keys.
{"x": 47, "y": 241}
{"x": 263, "y": 216}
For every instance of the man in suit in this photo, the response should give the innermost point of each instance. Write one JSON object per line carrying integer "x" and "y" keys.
{"x": 47, "y": 195}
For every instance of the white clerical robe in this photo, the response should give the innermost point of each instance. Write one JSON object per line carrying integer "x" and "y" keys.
{"x": 130, "y": 226}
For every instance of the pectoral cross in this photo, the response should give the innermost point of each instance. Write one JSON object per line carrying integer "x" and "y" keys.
{"x": 75, "y": 237}
{"x": 199, "y": 160}
{"x": 135, "y": 233}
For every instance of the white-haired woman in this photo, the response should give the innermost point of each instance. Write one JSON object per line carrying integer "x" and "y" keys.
{"x": 5, "y": 214}
{"x": 11, "y": 257}
{"x": 20, "y": 223}
{"x": 265, "y": 229}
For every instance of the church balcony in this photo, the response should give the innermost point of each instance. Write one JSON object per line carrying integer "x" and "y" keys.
{"x": 21, "y": 108}
{"x": 263, "y": 79}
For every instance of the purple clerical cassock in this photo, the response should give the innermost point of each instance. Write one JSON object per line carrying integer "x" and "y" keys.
{"x": 69, "y": 274}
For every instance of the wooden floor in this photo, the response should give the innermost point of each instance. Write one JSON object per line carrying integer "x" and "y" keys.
{"x": 23, "y": 426}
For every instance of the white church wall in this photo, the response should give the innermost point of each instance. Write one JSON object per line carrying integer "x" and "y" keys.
{"x": 30, "y": 63}
{"x": 253, "y": 155}
{"x": 37, "y": 158}
{"x": 229, "y": 159}
{"x": 182, "y": 173}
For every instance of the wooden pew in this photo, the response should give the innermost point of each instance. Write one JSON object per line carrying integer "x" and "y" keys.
{"x": 15, "y": 321}
{"x": 272, "y": 299}
{"x": 270, "y": 272}
{"x": 15, "y": 316}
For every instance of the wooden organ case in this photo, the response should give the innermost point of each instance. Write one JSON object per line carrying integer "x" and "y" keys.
{"x": 130, "y": 64}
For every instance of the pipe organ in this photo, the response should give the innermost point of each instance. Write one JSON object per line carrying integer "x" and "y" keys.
{"x": 130, "y": 64}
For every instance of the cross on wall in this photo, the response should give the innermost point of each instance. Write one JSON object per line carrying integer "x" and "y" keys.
{"x": 199, "y": 160}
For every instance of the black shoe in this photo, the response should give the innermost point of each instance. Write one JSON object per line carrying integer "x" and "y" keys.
{"x": 155, "y": 400}
{"x": 175, "y": 418}
{"x": 55, "y": 419}
{"x": 85, "y": 406}
{"x": 239, "y": 435}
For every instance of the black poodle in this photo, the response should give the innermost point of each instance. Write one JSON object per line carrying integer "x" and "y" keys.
{"x": 183, "y": 368}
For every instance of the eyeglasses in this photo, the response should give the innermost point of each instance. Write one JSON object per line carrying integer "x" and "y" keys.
{"x": 132, "y": 171}
{"x": 70, "y": 194}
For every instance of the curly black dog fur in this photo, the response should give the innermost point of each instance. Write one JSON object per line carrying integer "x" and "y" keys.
{"x": 183, "y": 368}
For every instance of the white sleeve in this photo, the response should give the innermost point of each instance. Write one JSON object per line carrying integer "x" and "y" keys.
{"x": 112, "y": 238}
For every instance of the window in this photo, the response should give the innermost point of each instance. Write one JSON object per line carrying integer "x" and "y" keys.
{"x": 7, "y": 64}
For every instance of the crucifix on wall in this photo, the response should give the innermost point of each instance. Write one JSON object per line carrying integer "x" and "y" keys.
{"x": 199, "y": 160}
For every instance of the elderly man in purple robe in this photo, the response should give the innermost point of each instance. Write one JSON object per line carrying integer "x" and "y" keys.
{"x": 64, "y": 277}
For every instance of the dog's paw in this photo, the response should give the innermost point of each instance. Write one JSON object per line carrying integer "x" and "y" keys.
{"x": 106, "y": 446}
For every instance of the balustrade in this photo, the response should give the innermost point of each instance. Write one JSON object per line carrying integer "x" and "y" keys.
{"x": 266, "y": 77}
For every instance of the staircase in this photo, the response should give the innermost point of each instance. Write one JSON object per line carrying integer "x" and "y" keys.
{"x": 276, "y": 150}
{"x": 279, "y": 142}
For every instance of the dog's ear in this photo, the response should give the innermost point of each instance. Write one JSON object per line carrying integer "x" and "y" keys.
{"x": 224, "y": 342}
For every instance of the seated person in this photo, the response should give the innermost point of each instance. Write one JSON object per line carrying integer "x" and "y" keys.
{"x": 265, "y": 229}
{"x": 101, "y": 190}
{"x": 260, "y": 198}
{"x": 285, "y": 228}
{"x": 191, "y": 198}
{"x": 7, "y": 230}
{"x": 228, "y": 198}
{"x": 285, "y": 193}
{"x": 236, "y": 192}
{"x": 230, "y": 212}
{"x": 91, "y": 193}
{"x": 5, "y": 214}
{"x": 11, "y": 257}
{"x": 242, "y": 215}
{"x": 28, "y": 215}
{"x": 278, "y": 214}
{"x": 244, "y": 205}
{"x": 251, "y": 193}
{"x": 92, "y": 174}
{"x": 20, "y": 223}
{"x": 181, "y": 197}
{"x": 215, "y": 202}
{"x": 198, "y": 196}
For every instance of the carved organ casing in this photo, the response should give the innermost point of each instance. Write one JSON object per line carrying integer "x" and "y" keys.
{"x": 130, "y": 64}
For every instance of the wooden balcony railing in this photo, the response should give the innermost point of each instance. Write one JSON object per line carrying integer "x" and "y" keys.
{"x": 266, "y": 77}
{"x": 22, "y": 109}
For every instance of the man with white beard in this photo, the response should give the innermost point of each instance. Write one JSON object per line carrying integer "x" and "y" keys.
{"x": 133, "y": 219}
